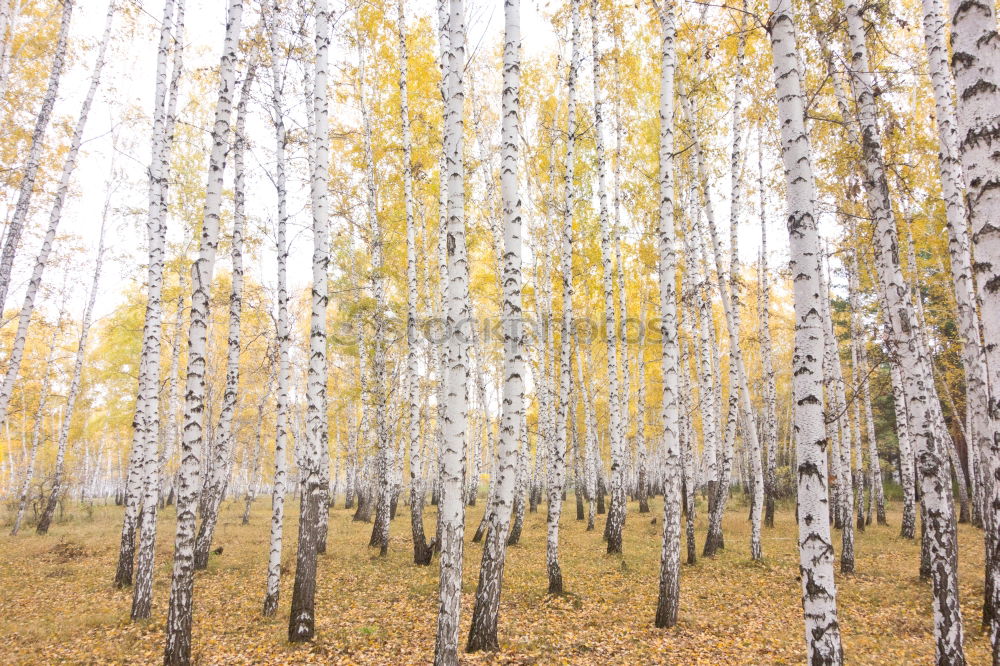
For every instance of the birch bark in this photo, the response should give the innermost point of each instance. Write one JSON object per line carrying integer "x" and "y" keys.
{"x": 457, "y": 311}
{"x": 278, "y": 488}
{"x": 26, "y": 188}
{"x": 81, "y": 349}
{"x": 819, "y": 594}
{"x": 140, "y": 488}
{"x": 616, "y": 513}
{"x": 222, "y": 464}
{"x": 668, "y": 601}
{"x": 179, "y": 615}
{"x": 975, "y": 63}
{"x": 302, "y": 617}
{"x": 914, "y": 366}
{"x": 485, "y": 614}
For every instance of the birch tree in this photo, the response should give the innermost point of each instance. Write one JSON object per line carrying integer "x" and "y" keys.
{"x": 819, "y": 592}
{"x": 457, "y": 311}
{"x": 914, "y": 366}
{"x": 384, "y": 460}
{"x": 74, "y": 385}
{"x": 616, "y": 514}
{"x": 179, "y": 615}
{"x": 140, "y": 493}
{"x": 55, "y": 214}
{"x": 222, "y": 464}
{"x": 670, "y": 555}
{"x": 302, "y": 618}
{"x": 273, "y": 589}
{"x": 975, "y": 63}
{"x": 770, "y": 422}
{"x": 37, "y": 434}
{"x": 15, "y": 226}
{"x": 485, "y": 613}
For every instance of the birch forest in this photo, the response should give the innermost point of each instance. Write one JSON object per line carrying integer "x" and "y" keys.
{"x": 473, "y": 331}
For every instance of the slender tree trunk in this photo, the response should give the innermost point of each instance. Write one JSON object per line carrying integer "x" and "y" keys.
{"x": 81, "y": 349}
{"x": 770, "y": 430}
{"x": 913, "y": 363}
{"x": 302, "y": 618}
{"x": 837, "y": 428}
{"x": 641, "y": 477}
{"x": 141, "y": 489}
{"x": 906, "y": 471}
{"x": 558, "y": 451}
{"x": 522, "y": 481}
{"x": 690, "y": 480}
{"x": 55, "y": 215}
{"x": 421, "y": 551}
{"x": 36, "y": 434}
{"x": 976, "y": 66}
{"x": 273, "y": 583}
{"x": 668, "y": 602}
{"x": 485, "y": 614}
{"x": 739, "y": 388}
{"x": 384, "y": 460}
{"x": 179, "y": 615}
{"x": 225, "y": 446}
{"x": 819, "y": 595}
{"x": 591, "y": 455}
{"x": 254, "y": 478}
{"x": 616, "y": 514}
{"x": 457, "y": 311}
{"x": 26, "y": 188}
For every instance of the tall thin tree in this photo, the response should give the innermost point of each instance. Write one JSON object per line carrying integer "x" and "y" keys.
{"x": 819, "y": 592}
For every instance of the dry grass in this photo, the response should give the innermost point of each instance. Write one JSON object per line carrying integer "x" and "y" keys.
{"x": 57, "y": 604}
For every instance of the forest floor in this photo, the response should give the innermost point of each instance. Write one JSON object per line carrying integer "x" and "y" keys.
{"x": 57, "y": 604}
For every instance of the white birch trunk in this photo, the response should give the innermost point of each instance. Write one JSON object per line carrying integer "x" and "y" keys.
{"x": 30, "y": 170}
{"x": 819, "y": 593}
{"x": 452, "y": 508}
{"x": 616, "y": 513}
{"x": 140, "y": 488}
{"x": 384, "y": 460}
{"x": 179, "y": 616}
{"x": 976, "y": 66}
{"x": 770, "y": 430}
{"x": 302, "y": 617}
{"x": 421, "y": 551}
{"x": 914, "y": 365}
{"x": 272, "y": 589}
{"x": 906, "y": 471}
{"x": 222, "y": 465}
{"x": 36, "y": 434}
{"x": 81, "y": 349}
{"x": 485, "y": 615}
{"x": 668, "y": 601}
{"x": 740, "y": 391}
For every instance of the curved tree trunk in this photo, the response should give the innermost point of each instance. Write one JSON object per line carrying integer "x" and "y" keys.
{"x": 179, "y": 615}
{"x": 914, "y": 365}
{"x": 222, "y": 465}
{"x": 142, "y": 484}
{"x": 26, "y": 188}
